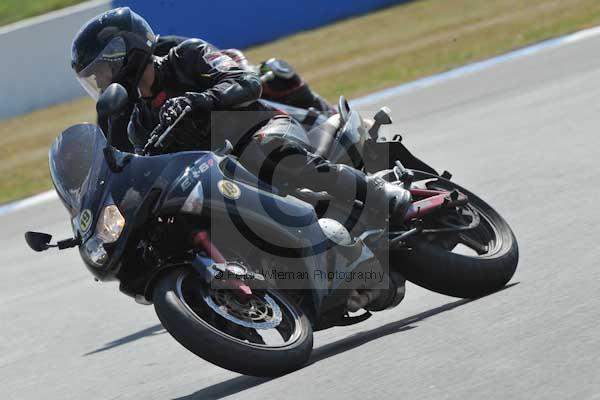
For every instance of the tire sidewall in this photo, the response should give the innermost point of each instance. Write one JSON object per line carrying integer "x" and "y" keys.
{"x": 201, "y": 339}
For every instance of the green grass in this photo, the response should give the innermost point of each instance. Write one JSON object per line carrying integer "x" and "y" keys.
{"x": 352, "y": 57}
{"x": 406, "y": 42}
{"x": 15, "y": 10}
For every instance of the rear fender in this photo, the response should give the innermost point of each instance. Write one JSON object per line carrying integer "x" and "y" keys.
{"x": 382, "y": 155}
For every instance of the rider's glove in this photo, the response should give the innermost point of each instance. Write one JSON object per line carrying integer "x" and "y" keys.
{"x": 173, "y": 108}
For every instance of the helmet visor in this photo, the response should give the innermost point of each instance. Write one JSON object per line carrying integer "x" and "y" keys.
{"x": 105, "y": 68}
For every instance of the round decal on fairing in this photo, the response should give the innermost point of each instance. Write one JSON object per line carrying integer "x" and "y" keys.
{"x": 85, "y": 221}
{"x": 229, "y": 189}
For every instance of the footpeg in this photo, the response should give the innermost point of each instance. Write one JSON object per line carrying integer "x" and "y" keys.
{"x": 405, "y": 176}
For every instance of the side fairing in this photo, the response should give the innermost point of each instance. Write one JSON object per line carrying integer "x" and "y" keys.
{"x": 241, "y": 212}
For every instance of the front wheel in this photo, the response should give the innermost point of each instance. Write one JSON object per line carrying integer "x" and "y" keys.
{"x": 263, "y": 335}
{"x": 469, "y": 252}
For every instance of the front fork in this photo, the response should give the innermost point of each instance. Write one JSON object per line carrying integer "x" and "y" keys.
{"x": 219, "y": 273}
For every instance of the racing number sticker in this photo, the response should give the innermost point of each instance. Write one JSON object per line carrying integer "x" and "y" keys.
{"x": 85, "y": 221}
{"x": 229, "y": 189}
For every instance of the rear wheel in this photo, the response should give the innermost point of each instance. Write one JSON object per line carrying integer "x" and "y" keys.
{"x": 265, "y": 334}
{"x": 467, "y": 251}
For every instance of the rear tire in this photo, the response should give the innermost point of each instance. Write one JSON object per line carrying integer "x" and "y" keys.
{"x": 440, "y": 270}
{"x": 219, "y": 348}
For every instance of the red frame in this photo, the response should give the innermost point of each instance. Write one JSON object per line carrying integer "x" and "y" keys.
{"x": 202, "y": 240}
{"x": 430, "y": 201}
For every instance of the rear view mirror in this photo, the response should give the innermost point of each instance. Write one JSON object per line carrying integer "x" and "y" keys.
{"x": 38, "y": 241}
{"x": 112, "y": 101}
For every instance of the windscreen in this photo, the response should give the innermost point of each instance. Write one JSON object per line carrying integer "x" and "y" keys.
{"x": 76, "y": 161}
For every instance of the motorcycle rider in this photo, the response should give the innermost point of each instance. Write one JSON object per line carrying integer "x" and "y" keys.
{"x": 118, "y": 45}
{"x": 281, "y": 83}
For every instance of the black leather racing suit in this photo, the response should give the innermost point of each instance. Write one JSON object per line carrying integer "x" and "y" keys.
{"x": 279, "y": 81}
{"x": 196, "y": 66}
{"x": 264, "y": 139}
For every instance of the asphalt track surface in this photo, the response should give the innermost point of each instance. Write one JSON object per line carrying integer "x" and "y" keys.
{"x": 524, "y": 135}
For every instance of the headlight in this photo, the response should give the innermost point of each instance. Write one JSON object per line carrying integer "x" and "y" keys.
{"x": 110, "y": 224}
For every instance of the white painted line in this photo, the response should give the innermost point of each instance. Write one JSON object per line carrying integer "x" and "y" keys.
{"x": 476, "y": 67}
{"x": 391, "y": 92}
{"x": 28, "y": 202}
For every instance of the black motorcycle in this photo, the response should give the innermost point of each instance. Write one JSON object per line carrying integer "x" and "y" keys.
{"x": 242, "y": 273}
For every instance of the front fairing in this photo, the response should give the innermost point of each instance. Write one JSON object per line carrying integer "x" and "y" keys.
{"x": 135, "y": 191}
{"x": 253, "y": 202}
{"x": 86, "y": 185}
{"x": 283, "y": 229}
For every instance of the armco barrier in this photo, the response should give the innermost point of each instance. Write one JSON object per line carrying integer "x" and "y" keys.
{"x": 35, "y": 59}
{"x": 35, "y": 54}
{"x": 242, "y": 23}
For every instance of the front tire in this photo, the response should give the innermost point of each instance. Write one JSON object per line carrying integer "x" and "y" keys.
{"x": 210, "y": 336}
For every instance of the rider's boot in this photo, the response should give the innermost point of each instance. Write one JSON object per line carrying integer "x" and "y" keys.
{"x": 385, "y": 204}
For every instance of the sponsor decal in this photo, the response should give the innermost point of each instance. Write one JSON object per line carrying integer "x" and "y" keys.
{"x": 229, "y": 189}
{"x": 85, "y": 221}
{"x": 187, "y": 182}
{"x": 205, "y": 166}
{"x": 219, "y": 61}
{"x": 194, "y": 173}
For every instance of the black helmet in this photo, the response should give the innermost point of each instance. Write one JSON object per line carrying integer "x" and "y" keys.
{"x": 113, "y": 47}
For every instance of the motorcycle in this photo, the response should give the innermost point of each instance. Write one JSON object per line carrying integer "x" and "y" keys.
{"x": 242, "y": 273}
